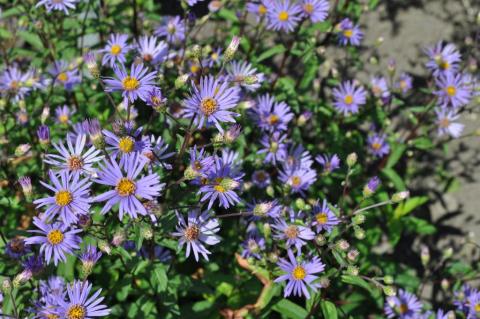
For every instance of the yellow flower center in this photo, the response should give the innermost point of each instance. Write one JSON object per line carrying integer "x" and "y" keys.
{"x": 291, "y": 232}
{"x": 63, "y": 198}
{"x": 171, "y": 28}
{"x": 296, "y": 181}
{"x": 208, "y": 106}
{"x": 126, "y": 144}
{"x": 125, "y": 187}
{"x": 444, "y": 123}
{"x": 348, "y": 33}
{"x": 376, "y": 146}
{"x": 219, "y": 188}
{"x": 130, "y": 83}
{"x": 273, "y": 119}
{"x": 75, "y": 163}
{"x": 403, "y": 84}
{"x": 191, "y": 232}
{"x": 444, "y": 65}
{"x": 262, "y": 9}
{"x": 52, "y": 316}
{"x": 147, "y": 57}
{"x": 322, "y": 218}
{"x": 55, "y": 237}
{"x": 63, "y": 118}
{"x": 14, "y": 85}
{"x": 194, "y": 68}
{"x": 214, "y": 56}
{"x": 115, "y": 49}
{"x": 477, "y": 307}
{"x": 451, "y": 90}
{"x": 348, "y": 99}
{"x": 63, "y": 77}
{"x": 308, "y": 8}
{"x": 283, "y": 16}
{"x": 76, "y": 312}
{"x": 403, "y": 308}
{"x": 299, "y": 273}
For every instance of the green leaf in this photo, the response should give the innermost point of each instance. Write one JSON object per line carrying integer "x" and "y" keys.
{"x": 279, "y": 48}
{"x": 329, "y": 309}
{"x": 409, "y": 205}
{"x": 395, "y": 155}
{"x": 160, "y": 277}
{"x": 32, "y": 39}
{"x": 394, "y": 178}
{"x": 423, "y": 143}
{"x": 228, "y": 15}
{"x": 420, "y": 226}
{"x": 289, "y": 309}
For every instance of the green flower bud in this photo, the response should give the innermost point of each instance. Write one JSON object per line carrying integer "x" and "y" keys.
{"x": 190, "y": 173}
{"x": 358, "y": 219}
{"x": 398, "y": 197}
{"x": 352, "y": 270}
{"x": 388, "y": 280}
{"x": 300, "y": 203}
{"x": 352, "y": 159}
{"x": 389, "y": 291}
{"x": 359, "y": 233}
{"x": 180, "y": 81}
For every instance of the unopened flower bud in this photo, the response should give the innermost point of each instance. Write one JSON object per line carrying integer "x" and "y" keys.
{"x": 6, "y": 286}
{"x": 320, "y": 240}
{"x": 352, "y": 270}
{"x": 324, "y": 282}
{"x": 352, "y": 255}
{"x": 231, "y": 49}
{"x": 218, "y": 140}
{"x": 447, "y": 253}
{"x": 388, "y": 280}
{"x": 342, "y": 244}
{"x": 118, "y": 238}
{"x": 232, "y": 134}
{"x": 190, "y": 173}
{"x": 358, "y": 219}
{"x": 270, "y": 191}
{"x": 180, "y": 81}
{"x": 445, "y": 284}
{"x": 300, "y": 203}
{"x": 43, "y": 134}
{"x": 84, "y": 220}
{"x": 267, "y": 230}
{"x": 22, "y": 150}
{"x": 424, "y": 255}
{"x": 45, "y": 114}
{"x": 400, "y": 196}
{"x": 352, "y": 159}
{"x": 26, "y": 184}
{"x": 91, "y": 63}
{"x": 273, "y": 257}
{"x": 104, "y": 247}
{"x": 196, "y": 51}
{"x": 359, "y": 233}
{"x": 371, "y": 187}
{"x": 146, "y": 232}
{"x": 389, "y": 291}
{"x": 304, "y": 118}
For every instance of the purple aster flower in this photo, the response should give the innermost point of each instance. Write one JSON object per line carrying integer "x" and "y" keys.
{"x": 380, "y": 87}
{"x": 443, "y": 59}
{"x": 371, "y": 186}
{"x": 63, "y": 114}
{"x": 12, "y": 81}
{"x": 329, "y": 163}
{"x": 221, "y": 184}
{"x": 245, "y": 75}
{"x": 74, "y": 159}
{"x": 452, "y": 91}
{"x": 173, "y": 29}
{"x": 274, "y": 147}
{"x": 404, "y": 83}
{"x": 261, "y": 178}
{"x": 127, "y": 144}
{"x": 258, "y": 8}
{"x": 128, "y": 187}
{"x": 349, "y": 33}
{"x": 444, "y": 315}
{"x": 445, "y": 122}
{"x": 298, "y": 179}
{"x": 60, "y": 5}
{"x": 378, "y": 145}
{"x": 51, "y": 291}
{"x": 210, "y": 103}
{"x": 26, "y": 184}
{"x": 32, "y": 266}
{"x": 200, "y": 163}
{"x": 35, "y": 80}
{"x": 71, "y": 197}
{"x": 297, "y": 157}
{"x": 151, "y": 51}
{"x": 43, "y": 133}
{"x": 404, "y": 305}
{"x": 473, "y": 304}
{"x": 253, "y": 245}
{"x": 283, "y": 15}
{"x": 349, "y": 97}
{"x": 264, "y": 209}
{"x": 16, "y": 248}
{"x": 291, "y": 231}
{"x": 89, "y": 257}
{"x": 462, "y": 297}
{"x": 323, "y": 217}
{"x": 157, "y": 153}
{"x": 199, "y": 229}
{"x": 78, "y": 304}
{"x": 55, "y": 239}
{"x": 316, "y": 10}
{"x": 155, "y": 99}
{"x": 115, "y": 50}
{"x": 300, "y": 275}
{"x": 271, "y": 115}
{"x": 135, "y": 85}
{"x": 214, "y": 58}
{"x": 64, "y": 75}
